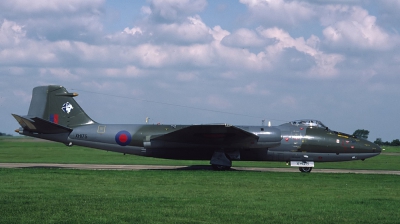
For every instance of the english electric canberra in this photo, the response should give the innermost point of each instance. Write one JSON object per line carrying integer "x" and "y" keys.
{"x": 55, "y": 115}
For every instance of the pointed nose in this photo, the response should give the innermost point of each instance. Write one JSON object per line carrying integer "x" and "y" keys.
{"x": 372, "y": 147}
{"x": 376, "y": 148}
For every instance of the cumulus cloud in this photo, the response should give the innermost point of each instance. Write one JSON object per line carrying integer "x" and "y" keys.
{"x": 178, "y": 25}
{"x": 11, "y": 33}
{"x": 56, "y": 20}
{"x": 19, "y": 49}
{"x": 185, "y": 43}
{"x": 191, "y": 30}
{"x": 278, "y": 12}
{"x": 127, "y": 72}
{"x": 61, "y": 74}
{"x": 171, "y": 47}
{"x": 38, "y": 7}
{"x": 167, "y": 11}
{"x": 133, "y": 31}
{"x": 324, "y": 63}
{"x": 244, "y": 38}
{"x": 352, "y": 26}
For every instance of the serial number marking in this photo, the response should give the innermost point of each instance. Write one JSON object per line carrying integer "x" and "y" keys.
{"x": 81, "y": 136}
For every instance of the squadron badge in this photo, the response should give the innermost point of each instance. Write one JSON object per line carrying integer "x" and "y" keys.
{"x": 67, "y": 107}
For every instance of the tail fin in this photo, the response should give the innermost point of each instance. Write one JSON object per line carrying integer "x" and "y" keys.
{"x": 55, "y": 104}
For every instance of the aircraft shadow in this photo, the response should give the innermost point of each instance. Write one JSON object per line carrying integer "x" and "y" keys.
{"x": 188, "y": 168}
{"x": 198, "y": 167}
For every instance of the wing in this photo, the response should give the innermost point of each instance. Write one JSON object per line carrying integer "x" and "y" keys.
{"x": 220, "y": 135}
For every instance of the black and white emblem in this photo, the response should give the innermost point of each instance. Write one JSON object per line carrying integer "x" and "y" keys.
{"x": 67, "y": 107}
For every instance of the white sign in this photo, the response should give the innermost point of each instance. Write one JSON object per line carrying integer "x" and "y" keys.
{"x": 302, "y": 163}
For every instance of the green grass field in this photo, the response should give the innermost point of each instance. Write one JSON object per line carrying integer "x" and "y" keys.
{"x": 35, "y": 195}
{"x": 172, "y": 196}
{"x": 26, "y": 150}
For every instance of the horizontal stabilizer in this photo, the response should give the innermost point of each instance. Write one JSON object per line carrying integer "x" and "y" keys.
{"x": 39, "y": 125}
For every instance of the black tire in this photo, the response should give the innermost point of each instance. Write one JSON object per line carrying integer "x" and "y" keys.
{"x": 220, "y": 167}
{"x": 305, "y": 169}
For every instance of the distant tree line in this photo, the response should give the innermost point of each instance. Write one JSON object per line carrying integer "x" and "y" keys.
{"x": 4, "y": 134}
{"x": 395, "y": 142}
{"x": 361, "y": 133}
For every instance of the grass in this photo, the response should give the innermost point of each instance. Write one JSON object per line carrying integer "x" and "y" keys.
{"x": 35, "y": 195}
{"x": 393, "y": 149}
{"x": 26, "y": 150}
{"x": 171, "y": 196}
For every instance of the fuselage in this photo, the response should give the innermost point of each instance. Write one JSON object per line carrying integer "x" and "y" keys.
{"x": 286, "y": 142}
{"x": 55, "y": 115}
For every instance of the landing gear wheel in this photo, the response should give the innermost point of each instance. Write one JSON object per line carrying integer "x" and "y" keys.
{"x": 220, "y": 167}
{"x": 305, "y": 169}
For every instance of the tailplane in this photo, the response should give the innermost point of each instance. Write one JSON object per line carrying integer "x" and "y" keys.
{"x": 54, "y": 105}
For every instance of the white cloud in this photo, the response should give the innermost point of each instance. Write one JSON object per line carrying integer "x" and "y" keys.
{"x": 60, "y": 74}
{"x": 191, "y": 30}
{"x": 219, "y": 33}
{"x": 172, "y": 48}
{"x": 325, "y": 63}
{"x": 173, "y": 10}
{"x": 17, "y": 48}
{"x": 133, "y": 31}
{"x": 127, "y": 72}
{"x": 278, "y": 12}
{"x": 57, "y": 6}
{"x": 11, "y": 33}
{"x": 56, "y": 20}
{"x": 353, "y": 27}
{"x": 243, "y": 38}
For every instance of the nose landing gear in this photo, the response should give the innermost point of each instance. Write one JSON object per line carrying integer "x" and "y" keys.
{"x": 305, "y": 169}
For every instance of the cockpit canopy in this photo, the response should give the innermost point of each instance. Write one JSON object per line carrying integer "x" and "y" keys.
{"x": 309, "y": 123}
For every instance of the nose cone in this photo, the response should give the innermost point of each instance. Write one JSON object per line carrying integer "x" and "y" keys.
{"x": 371, "y": 147}
{"x": 376, "y": 148}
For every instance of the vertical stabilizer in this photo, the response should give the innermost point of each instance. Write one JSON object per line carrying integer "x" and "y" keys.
{"x": 55, "y": 104}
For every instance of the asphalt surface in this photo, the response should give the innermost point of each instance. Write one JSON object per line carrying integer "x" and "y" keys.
{"x": 199, "y": 167}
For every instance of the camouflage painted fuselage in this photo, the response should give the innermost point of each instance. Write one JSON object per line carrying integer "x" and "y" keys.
{"x": 56, "y": 116}
{"x": 286, "y": 142}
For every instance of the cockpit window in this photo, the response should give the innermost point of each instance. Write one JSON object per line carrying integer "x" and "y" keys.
{"x": 308, "y": 123}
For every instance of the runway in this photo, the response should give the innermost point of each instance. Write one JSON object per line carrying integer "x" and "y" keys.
{"x": 198, "y": 167}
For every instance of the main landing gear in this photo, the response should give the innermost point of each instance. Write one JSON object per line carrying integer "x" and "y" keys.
{"x": 221, "y": 161}
{"x": 305, "y": 169}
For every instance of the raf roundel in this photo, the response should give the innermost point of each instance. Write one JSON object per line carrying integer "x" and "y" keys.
{"x": 123, "y": 138}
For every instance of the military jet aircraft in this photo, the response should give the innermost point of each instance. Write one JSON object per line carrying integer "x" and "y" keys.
{"x": 55, "y": 115}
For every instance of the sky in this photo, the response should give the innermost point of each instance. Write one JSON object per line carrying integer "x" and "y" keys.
{"x": 200, "y": 62}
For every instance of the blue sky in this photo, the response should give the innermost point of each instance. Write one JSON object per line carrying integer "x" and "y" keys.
{"x": 335, "y": 61}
